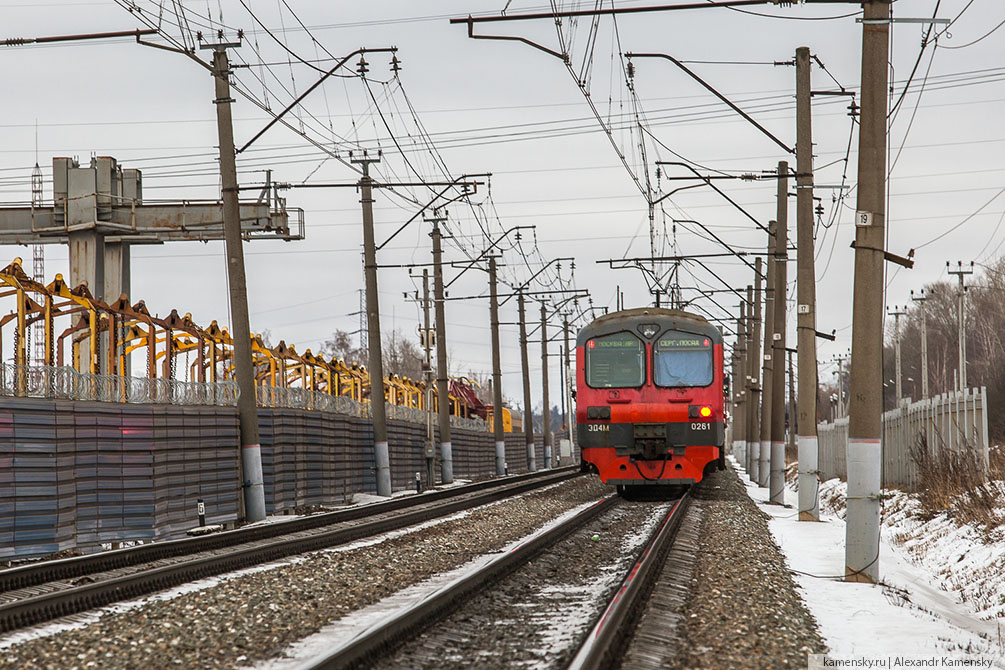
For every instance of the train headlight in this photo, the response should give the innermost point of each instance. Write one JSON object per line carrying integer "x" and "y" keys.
{"x": 705, "y": 412}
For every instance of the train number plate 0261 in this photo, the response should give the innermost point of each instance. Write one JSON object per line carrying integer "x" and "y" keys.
{"x": 700, "y": 425}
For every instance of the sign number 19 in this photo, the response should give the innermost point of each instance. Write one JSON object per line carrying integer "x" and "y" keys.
{"x": 863, "y": 219}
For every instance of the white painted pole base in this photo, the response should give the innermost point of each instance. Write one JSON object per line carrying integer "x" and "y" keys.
{"x": 740, "y": 452}
{"x": 776, "y": 482}
{"x": 254, "y": 482}
{"x": 862, "y": 529}
{"x": 809, "y": 482}
{"x": 446, "y": 462}
{"x": 500, "y": 459}
{"x": 547, "y": 457}
{"x": 383, "y": 462}
{"x": 764, "y": 463}
{"x": 531, "y": 457}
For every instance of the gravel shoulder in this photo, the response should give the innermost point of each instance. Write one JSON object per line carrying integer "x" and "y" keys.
{"x": 744, "y": 610}
{"x": 255, "y": 616}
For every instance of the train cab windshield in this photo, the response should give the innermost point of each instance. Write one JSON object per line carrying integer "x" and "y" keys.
{"x": 615, "y": 361}
{"x": 682, "y": 359}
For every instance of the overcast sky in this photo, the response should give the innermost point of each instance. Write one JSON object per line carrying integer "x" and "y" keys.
{"x": 508, "y": 109}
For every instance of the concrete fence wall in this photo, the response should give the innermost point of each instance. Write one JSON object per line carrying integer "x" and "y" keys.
{"x": 955, "y": 422}
{"x": 77, "y": 474}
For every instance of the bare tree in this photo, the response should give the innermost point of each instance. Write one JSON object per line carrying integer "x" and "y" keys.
{"x": 402, "y": 356}
{"x": 339, "y": 345}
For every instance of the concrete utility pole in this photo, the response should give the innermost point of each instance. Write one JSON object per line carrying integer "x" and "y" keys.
{"x": 427, "y": 371}
{"x": 866, "y": 398}
{"x": 546, "y": 404}
{"x": 740, "y": 390}
{"x": 375, "y": 357}
{"x": 497, "y": 408}
{"x": 961, "y": 317}
{"x": 442, "y": 390}
{"x": 570, "y": 420}
{"x": 790, "y": 437}
{"x": 252, "y": 481}
{"x": 806, "y": 297}
{"x": 528, "y": 414}
{"x": 767, "y": 376}
{"x": 840, "y": 399}
{"x": 754, "y": 358}
{"x": 896, "y": 314}
{"x": 777, "y": 456}
{"x": 920, "y": 299}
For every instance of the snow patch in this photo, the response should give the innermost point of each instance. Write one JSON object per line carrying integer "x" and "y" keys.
{"x": 356, "y": 624}
{"x": 916, "y": 609}
{"x": 87, "y": 618}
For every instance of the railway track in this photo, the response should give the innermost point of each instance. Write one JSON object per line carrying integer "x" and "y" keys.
{"x": 600, "y": 648}
{"x": 39, "y": 592}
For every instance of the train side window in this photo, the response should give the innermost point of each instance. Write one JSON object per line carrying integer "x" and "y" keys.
{"x": 615, "y": 361}
{"x": 682, "y": 359}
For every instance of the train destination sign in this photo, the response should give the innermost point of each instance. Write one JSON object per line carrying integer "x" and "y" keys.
{"x": 615, "y": 342}
{"x": 684, "y": 342}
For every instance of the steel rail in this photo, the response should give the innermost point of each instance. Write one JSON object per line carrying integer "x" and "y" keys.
{"x": 263, "y": 549}
{"x": 41, "y": 572}
{"x": 365, "y": 648}
{"x": 602, "y": 648}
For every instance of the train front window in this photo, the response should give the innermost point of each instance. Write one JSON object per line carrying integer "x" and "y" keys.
{"x": 615, "y": 361}
{"x": 682, "y": 359}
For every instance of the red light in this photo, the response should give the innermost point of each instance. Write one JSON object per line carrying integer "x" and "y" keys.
{"x": 705, "y": 412}
{"x": 590, "y": 344}
{"x": 705, "y": 343}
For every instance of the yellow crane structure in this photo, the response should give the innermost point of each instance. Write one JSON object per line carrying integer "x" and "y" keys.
{"x": 101, "y": 339}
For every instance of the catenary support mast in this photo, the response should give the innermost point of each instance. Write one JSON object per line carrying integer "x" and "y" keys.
{"x": 776, "y": 483}
{"x": 806, "y": 297}
{"x": 865, "y": 402}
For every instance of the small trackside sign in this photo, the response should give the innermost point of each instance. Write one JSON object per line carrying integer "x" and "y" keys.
{"x": 863, "y": 219}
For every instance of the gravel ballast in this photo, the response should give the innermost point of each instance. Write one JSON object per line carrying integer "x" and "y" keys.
{"x": 256, "y": 616}
{"x": 537, "y": 616}
{"x": 744, "y": 610}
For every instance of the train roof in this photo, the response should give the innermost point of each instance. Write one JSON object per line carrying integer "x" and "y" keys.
{"x": 631, "y": 319}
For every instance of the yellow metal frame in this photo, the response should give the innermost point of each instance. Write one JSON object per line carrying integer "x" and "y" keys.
{"x": 130, "y": 328}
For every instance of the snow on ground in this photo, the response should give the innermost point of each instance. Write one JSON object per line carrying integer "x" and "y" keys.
{"x": 369, "y": 498}
{"x": 913, "y": 613}
{"x": 360, "y": 622}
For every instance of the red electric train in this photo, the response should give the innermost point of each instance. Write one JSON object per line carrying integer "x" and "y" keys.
{"x": 650, "y": 398}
